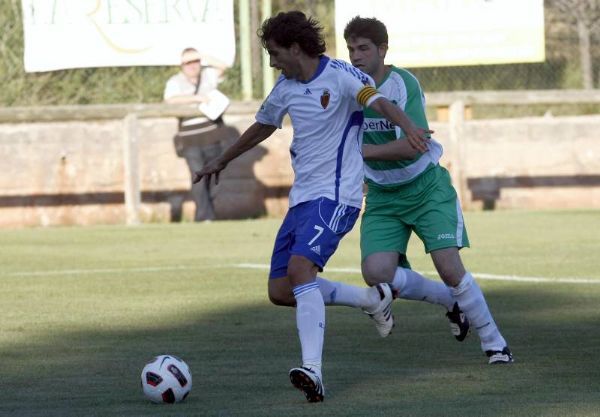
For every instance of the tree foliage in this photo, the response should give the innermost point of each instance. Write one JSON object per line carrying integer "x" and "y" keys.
{"x": 585, "y": 14}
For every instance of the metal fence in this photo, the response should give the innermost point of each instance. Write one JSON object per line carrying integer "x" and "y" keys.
{"x": 561, "y": 70}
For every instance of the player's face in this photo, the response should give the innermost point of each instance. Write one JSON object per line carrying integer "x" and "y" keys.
{"x": 365, "y": 55}
{"x": 283, "y": 59}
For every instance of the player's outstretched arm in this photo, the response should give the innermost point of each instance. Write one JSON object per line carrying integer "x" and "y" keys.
{"x": 391, "y": 151}
{"x": 416, "y": 136}
{"x": 254, "y": 135}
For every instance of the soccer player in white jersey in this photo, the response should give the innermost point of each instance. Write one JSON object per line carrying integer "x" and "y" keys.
{"x": 413, "y": 194}
{"x": 324, "y": 99}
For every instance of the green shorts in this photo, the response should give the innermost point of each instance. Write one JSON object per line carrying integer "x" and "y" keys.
{"x": 428, "y": 205}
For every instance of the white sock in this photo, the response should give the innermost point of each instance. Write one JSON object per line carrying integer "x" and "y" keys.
{"x": 472, "y": 303}
{"x": 414, "y": 286}
{"x": 310, "y": 320}
{"x": 339, "y": 294}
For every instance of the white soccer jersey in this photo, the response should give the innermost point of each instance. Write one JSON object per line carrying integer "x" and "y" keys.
{"x": 326, "y": 114}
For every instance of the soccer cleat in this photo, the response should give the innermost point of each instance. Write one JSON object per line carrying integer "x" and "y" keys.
{"x": 382, "y": 314}
{"x": 307, "y": 381}
{"x": 459, "y": 324}
{"x": 499, "y": 357}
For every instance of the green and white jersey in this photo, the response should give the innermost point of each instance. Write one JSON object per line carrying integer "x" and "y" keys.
{"x": 403, "y": 89}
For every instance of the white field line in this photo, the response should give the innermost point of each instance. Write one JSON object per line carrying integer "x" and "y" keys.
{"x": 105, "y": 271}
{"x": 478, "y": 275}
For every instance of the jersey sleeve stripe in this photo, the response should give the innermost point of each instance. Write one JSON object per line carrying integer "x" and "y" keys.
{"x": 365, "y": 94}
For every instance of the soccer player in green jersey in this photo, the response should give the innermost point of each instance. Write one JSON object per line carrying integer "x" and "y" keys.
{"x": 410, "y": 191}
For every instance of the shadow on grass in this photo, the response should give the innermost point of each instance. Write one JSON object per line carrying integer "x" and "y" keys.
{"x": 240, "y": 358}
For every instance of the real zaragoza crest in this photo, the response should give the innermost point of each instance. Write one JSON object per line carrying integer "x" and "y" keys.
{"x": 325, "y": 99}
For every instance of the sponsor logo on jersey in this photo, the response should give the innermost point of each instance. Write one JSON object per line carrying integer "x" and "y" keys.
{"x": 378, "y": 125}
{"x": 307, "y": 92}
{"x": 325, "y": 99}
{"x": 316, "y": 249}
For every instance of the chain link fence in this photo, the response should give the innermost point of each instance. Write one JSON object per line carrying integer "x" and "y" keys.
{"x": 561, "y": 70}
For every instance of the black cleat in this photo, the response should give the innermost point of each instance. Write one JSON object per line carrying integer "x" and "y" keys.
{"x": 459, "y": 324}
{"x": 307, "y": 381}
{"x": 500, "y": 357}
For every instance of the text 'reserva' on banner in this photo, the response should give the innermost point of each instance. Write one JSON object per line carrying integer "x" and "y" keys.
{"x": 62, "y": 34}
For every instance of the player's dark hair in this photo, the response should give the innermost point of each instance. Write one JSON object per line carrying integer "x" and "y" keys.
{"x": 366, "y": 27}
{"x": 294, "y": 26}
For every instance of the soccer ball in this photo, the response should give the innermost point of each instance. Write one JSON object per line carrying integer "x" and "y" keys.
{"x": 166, "y": 379}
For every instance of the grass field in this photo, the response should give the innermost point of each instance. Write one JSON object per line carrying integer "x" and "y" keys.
{"x": 83, "y": 309}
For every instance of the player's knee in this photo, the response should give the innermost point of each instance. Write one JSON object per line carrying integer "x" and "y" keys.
{"x": 281, "y": 298}
{"x": 450, "y": 279}
{"x": 451, "y": 276}
{"x": 374, "y": 273}
{"x": 301, "y": 270}
{"x": 282, "y": 301}
{"x": 449, "y": 265}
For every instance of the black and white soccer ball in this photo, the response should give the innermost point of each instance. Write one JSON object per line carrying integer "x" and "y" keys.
{"x": 166, "y": 379}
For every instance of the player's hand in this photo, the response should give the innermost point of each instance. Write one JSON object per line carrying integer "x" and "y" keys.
{"x": 214, "y": 167}
{"x": 418, "y": 138}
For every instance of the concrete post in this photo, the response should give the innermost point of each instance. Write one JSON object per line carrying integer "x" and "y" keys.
{"x": 245, "y": 52}
{"x": 268, "y": 81}
{"x": 456, "y": 122}
{"x": 131, "y": 175}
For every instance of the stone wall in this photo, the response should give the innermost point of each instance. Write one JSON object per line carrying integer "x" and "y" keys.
{"x": 72, "y": 173}
{"x": 530, "y": 163}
